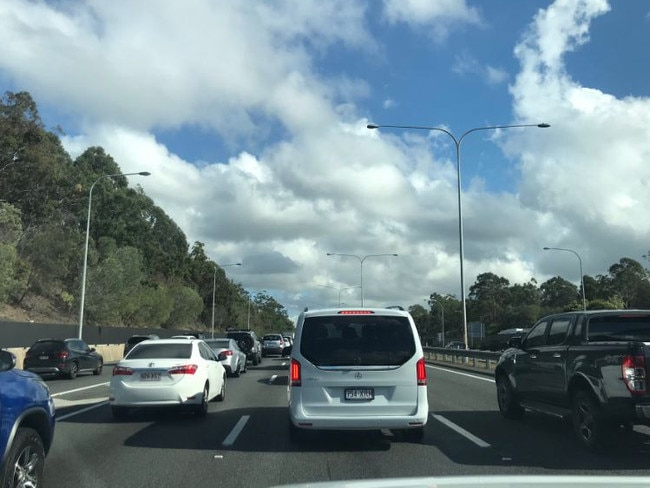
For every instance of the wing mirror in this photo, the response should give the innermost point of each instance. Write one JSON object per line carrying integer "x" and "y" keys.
{"x": 515, "y": 342}
{"x": 222, "y": 357}
{"x": 7, "y": 360}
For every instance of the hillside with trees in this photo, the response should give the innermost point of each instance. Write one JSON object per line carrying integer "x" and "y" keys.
{"x": 141, "y": 270}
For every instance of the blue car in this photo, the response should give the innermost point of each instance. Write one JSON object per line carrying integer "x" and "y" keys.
{"x": 26, "y": 424}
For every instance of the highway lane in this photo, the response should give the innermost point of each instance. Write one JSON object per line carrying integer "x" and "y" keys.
{"x": 244, "y": 441}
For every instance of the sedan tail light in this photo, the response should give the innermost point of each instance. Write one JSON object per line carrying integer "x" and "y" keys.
{"x": 227, "y": 352}
{"x": 184, "y": 369}
{"x": 122, "y": 371}
{"x": 63, "y": 355}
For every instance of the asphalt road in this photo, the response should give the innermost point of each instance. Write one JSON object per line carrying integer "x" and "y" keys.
{"x": 244, "y": 441}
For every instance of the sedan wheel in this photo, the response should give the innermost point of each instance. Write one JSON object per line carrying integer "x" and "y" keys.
{"x": 222, "y": 394}
{"x": 237, "y": 371}
{"x": 25, "y": 460}
{"x": 202, "y": 408}
{"x": 74, "y": 370}
{"x": 100, "y": 366}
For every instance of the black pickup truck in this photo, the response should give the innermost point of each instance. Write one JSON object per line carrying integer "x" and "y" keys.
{"x": 589, "y": 367}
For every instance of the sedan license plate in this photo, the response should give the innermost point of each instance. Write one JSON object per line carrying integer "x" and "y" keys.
{"x": 359, "y": 394}
{"x": 43, "y": 358}
{"x": 150, "y": 376}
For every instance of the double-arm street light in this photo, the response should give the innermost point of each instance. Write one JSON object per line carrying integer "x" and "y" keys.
{"x": 361, "y": 260}
{"x": 457, "y": 142}
{"x": 340, "y": 290}
{"x": 582, "y": 281}
{"x": 85, "y": 267}
{"x": 214, "y": 289}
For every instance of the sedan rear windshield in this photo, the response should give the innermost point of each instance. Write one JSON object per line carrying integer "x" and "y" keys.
{"x": 272, "y": 338}
{"x": 348, "y": 340}
{"x": 46, "y": 346}
{"x": 619, "y": 328}
{"x": 218, "y": 344}
{"x": 161, "y": 351}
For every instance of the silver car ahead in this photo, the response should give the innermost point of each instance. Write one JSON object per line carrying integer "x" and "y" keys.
{"x": 235, "y": 358}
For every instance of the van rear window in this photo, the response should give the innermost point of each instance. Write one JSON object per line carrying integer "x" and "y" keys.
{"x": 357, "y": 340}
{"x": 624, "y": 327}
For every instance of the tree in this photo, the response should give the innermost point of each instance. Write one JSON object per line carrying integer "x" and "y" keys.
{"x": 629, "y": 281}
{"x": 559, "y": 294}
{"x": 10, "y": 231}
{"x": 490, "y": 295}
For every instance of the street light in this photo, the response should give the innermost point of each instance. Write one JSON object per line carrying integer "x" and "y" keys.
{"x": 214, "y": 289}
{"x": 85, "y": 267}
{"x": 361, "y": 260}
{"x": 582, "y": 281}
{"x": 457, "y": 142}
{"x": 340, "y": 290}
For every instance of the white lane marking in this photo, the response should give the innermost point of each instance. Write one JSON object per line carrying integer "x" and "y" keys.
{"x": 72, "y": 414}
{"x": 60, "y": 402}
{"x": 236, "y": 430}
{"x": 460, "y": 430}
{"x": 482, "y": 378}
{"x": 272, "y": 379}
{"x": 79, "y": 389}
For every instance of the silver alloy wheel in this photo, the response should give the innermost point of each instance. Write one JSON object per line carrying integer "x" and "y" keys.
{"x": 25, "y": 472}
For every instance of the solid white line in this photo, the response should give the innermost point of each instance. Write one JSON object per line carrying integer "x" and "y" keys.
{"x": 72, "y": 414}
{"x": 272, "y": 379}
{"x": 461, "y": 431}
{"x": 234, "y": 433}
{"x": 79, "y": 389}
{"x": 61, "y": 402}
{"x": 482, "y": 378}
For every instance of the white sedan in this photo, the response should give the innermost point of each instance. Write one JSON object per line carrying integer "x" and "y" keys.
{"x": 167, "y": 372}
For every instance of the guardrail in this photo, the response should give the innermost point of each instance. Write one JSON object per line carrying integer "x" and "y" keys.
{"x": 467, "y": 358}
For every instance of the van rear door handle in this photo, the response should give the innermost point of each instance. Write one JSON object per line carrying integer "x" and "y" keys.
{"x": 557, "y": 355}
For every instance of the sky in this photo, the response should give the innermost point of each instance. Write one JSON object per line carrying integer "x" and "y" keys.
{"x": 252, "y": 119}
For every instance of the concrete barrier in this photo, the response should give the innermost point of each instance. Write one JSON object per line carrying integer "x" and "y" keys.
{"x": 111, "y": 353}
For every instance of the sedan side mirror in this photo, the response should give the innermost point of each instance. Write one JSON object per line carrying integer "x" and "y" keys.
{"x": 7, "y": 360}
{"x": 515, "y": 342}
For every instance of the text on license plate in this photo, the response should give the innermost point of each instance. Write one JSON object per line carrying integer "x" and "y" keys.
{"x": 359, "y": 394}
{"x": 150, "y": 376}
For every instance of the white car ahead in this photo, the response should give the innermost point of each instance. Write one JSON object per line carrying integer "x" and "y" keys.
{"x": 167, "y": 372}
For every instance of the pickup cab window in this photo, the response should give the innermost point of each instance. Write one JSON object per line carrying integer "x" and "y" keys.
{"x": 558, "y": 331}
{"x": 537, "y": 336}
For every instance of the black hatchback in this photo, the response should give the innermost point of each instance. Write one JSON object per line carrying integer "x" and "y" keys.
{"x": 67, "y": 357}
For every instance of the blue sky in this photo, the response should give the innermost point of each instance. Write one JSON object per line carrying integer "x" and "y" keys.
{"x": 251, "y": 118}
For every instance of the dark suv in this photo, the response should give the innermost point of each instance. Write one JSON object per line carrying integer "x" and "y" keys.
{"x": 26, "y": 424}
{"x": 67, "y": 357}
{"x": 249, "y": 343}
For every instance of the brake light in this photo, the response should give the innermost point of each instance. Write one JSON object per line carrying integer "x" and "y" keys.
{"x": 355, "y": 312}
{"x": 633, "y": 371}
{"x": 227, "y": 352}
{"x": 295, "y": 373}
{"x": 421, "y": 372}
{"x": 122, "y": 371}
{"x": 63, "y": 355}
{"x": 184, "y": 369}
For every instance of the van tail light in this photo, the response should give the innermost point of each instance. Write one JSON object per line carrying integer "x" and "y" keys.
{"x": 184, "y": 369}
{"x": 634, "y": 373}
{"x": 295, "y": 373}
{"x": 122, "y": 371}
{"x": 421, "y": 372}
{"x": 63, "y": 355}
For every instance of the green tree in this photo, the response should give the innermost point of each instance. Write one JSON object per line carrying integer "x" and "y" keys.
{"x": 629, "y": 281}
{"x": 187, "y": 307}
{"x": 490, "y": 296}
{"x": 559, "y": 294}
{"x": 10, "y": 231}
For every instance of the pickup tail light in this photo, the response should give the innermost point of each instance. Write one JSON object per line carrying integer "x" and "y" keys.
{"x": 295, "y": 373}
{"x": 122, "y": 371}
{"x": 421, "y": 372}
{"x": 634, "y": 373}
{"x": 184, "y": 369}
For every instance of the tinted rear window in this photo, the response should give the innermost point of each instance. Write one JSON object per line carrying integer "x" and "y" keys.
{"x": 354, "y": 340}
{"x": 272, "y": 337}
{"x": 161, "y": 351}
{"x": 136, "y": 340}
{"x": 619, "y": 328}
{"x": 47, "y": 346}
{"x": 218, "y": 344}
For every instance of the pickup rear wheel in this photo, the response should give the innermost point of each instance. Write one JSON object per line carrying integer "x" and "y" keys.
{"x": 506, "y": 397}
{"x": 588, "y": 424}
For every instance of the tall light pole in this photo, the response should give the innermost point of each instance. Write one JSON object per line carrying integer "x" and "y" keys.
{"x": 340, "y": 290}
{"x": 582, "y": 281}
{"x": 214, "y": 289}
{"x": 457, "y": 142}
{"x": 361, "y": 260}
{"x": 85, "y": 266}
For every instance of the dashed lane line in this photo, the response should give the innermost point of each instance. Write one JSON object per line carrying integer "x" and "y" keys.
{"x": 468, "y": 435}
{"x": 476, "y": 377}
{"x": 78, "y": 412}
{"x": 236, "y": 430}
{"x": 54, "y": 395}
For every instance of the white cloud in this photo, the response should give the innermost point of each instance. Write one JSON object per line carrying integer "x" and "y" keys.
{"x": 465, "y": 64}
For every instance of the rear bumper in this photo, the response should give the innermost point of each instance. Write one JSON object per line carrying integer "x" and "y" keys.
{"x": 46, "y": 370}
{"x": 153, "y": 396}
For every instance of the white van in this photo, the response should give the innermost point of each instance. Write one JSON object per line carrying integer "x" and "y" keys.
{"x": 358, "y": 369}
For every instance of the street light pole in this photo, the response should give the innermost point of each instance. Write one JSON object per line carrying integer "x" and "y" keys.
{"x": 340, "y": 290}
{"x": 582, "y": 281}
{"x": 214, "y": 289}
{"x": 85, "y": 266}
{"x": 361, "y": 260}
{"x": 457, "y": 142}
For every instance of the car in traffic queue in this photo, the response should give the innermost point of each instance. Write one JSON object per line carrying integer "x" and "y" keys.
{"x": 357, "y": 369}
{"x": 273, "y": 345}
{"x": 134, "y": 340}
{"x": 27, "y": 424}
{"x": 248, "y": 342}
{"x": 288, "y": 344}
{"x": 167, "y": 373}
{"x": 234, "y": 359}
{"x": 63, "y": 357}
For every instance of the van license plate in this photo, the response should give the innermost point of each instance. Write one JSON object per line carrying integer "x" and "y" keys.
{"x": 150, "y": 376}
{"x": 356, "y": 394}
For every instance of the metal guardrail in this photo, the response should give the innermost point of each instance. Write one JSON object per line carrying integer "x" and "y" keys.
{"x": 486, "y": 360}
